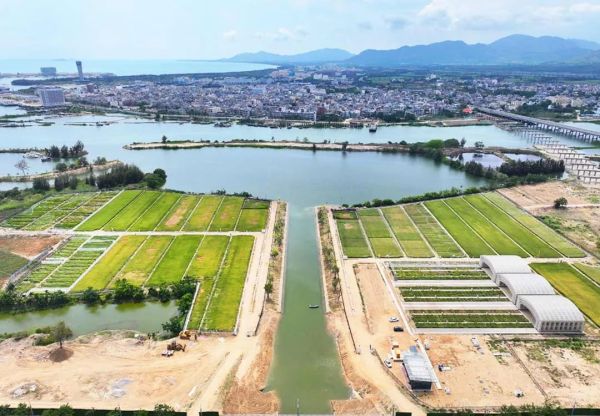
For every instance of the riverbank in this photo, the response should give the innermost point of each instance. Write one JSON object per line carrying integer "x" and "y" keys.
{"x": 54, "y": 174}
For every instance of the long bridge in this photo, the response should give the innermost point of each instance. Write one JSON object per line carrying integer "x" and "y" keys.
{"x": 540, "y": 124}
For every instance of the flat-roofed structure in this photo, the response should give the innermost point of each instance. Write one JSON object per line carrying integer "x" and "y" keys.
{"x": 504, "y": 265}
{"x": 519, "y": 284}
{"x": 553, "y": 313}
{"x": 417, "y": 369}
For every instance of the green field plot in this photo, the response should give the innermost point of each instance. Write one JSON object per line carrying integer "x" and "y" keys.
{"x": 10, "y": 263}
{"x": 353, "y": 241}
{"x": 203, "y": 214}
{"x": 59, "y": 212}
{"x": 492, "y": 235}
{"x": 205, "y": 267}
{"x": 156, "y": 212}
{"x": 452, "y": 294}
{"x": 469, "y": 319}
{"x": 256, "y": 204}
{"x": 385, "y": 247}
{"x": 222, "y": 310}
{"x": 32, "y": 214}
{"x": 406, "y": 233}
{"x": 574, "y": 285}
{"x": 132, "y": 212}
{"x": 378, "y": 233}
{"x": 471, "y": 243}
{"x": 433, "y": 232}
{"x": 439, "y": 274}
{"x": 107, "y": 268}
{"x": 548, "y": 235}
{"x": 100, "y": 218}
{"x": 344, "y": 214}
{"x": 253, "y": 219}
{"x": 593, "y": 272}
{"x": 67, "y": 273}
{"x": 174, "y": 263}
{"x": 227, "y": 215}
{"x": 140, "y": 266}
{"x": 179, "y": 213}
{"x": 514, "y": 229}
{"x": 85, "y": 210}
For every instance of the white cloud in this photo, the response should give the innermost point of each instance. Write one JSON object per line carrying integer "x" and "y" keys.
{"x": 283, "y": 34}
{"x": 230, "y": 35}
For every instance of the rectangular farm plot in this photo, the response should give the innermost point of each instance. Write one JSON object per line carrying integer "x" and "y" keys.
{"x": 140, "y": 266}
{"x": 41, "y": 215}
{"x": 353, "y": 241}
{"x": 203, "y": 213}
{"x": 433, "y": 232}
{"x": 492, "y": 235}
{"x": 85, "y": 210}
{"x": 408, "y": 236}
{"x": 175, "y": 261}
{"x": 179, "y": 213}
{"x": 544, "y": 232}
{"x": 378, "y": 233}
{"x": 224, "y": 304}
{"x": 471, "y": 243}
{"x": 132, "y": 212}
{"x": 438, "y": 273}
{"x": 519, "y": 233}
{"x": 574, "y": 285}
{"x": 345, "y": 214}
{"x": 156, "y": 212}
{"x": 452, "y": 294}
{"x": 61, "y": 211}
{"x": 469, "y": 319}
{"x": 226, "y": 217}
{"x": 593, "y": 272}
{"x": 100, "y": 218}
{"x": 253, "y": 219}
{"x": 107, "y": 268}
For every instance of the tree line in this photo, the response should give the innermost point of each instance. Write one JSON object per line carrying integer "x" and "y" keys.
{"x": 66, "y": 152}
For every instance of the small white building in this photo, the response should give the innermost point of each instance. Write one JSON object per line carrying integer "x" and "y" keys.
{"x": 503, "y": 265}
{"x": 519, "y": 284}
{"x": 553, "y": 313}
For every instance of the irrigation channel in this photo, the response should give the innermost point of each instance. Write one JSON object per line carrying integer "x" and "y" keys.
{"x": 306, "y": 365}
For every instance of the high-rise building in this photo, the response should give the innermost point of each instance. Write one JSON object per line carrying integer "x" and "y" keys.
{"x": 79, "y": 70}
{"x": 52, "y": 97}
{"x": 48, "y": 71}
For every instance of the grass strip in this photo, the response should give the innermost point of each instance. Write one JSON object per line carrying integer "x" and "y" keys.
{"x": 175, "y": 261}
{"x": 100, "y": 218}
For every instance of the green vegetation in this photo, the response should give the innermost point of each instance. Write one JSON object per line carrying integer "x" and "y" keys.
{"x": 174, "y": 264}
{"x": 438, "y": 239}
{"x": 253, "y": 219}
{"x": 224, "y": 304}
{"x": 203, "y": 213}
{"x": 348, "y": 214}
{"x": 574, "y": 285}
{"x": 378, "y": 233}
{"x": 100, "y": 218}
{"x": 107, "y": 268}
{"x": 128, "y": 215}
{"x": 537, "y": 227}
{"x": 43, "y": 208}
{"x": 593, "y": 272}
{"x": 139, "y": 267}
{"x": 227, "y": 215}
{"x": 471, "y": 243}
{"x": 439, "y": 273}
{"x": 353, "y": 241}
{"x": 178, "y": 214}
{"x": 492, "y": 235}
{"x": 407, "y": 234}
{"x": 10, "y": 263}
{"x": 385, "y": 247}
{"x": 519, "y": 233}
{"x": 156, "y": 212}
{"x": 85, "y": 210}
{"x": 469, "y": 319}
{"x": 452, "y": 294}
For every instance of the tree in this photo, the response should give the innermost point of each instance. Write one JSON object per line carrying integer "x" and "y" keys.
{"x": 163, "y": 410}
{"x": 560, "y": 203}
{"x": 54, "y": 152}
{"x": 479, "y": 145}
{"x": 100, "y": 161}
{"x": 174, "y": 325}
{"x": 164, "y": 138}
{"x": 64, "y": 410}
{"x": 269, "y": 288}
{"x": 61, "y": 167}
{"x": 41, "y": 184}
{"x": 22, "y": 165}
{"x": 61, "y": 332}
{"x": 90, "y": 296}
{"x": 64, "y": 152}
{"x": 463, "y": 141}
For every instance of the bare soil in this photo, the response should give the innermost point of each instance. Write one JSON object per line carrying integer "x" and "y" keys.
{"x": 60, "y": 354}
{"x": 544, "y": 194}
{"x": 28, "y": 246}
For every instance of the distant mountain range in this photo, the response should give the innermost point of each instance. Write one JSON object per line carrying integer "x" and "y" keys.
{"x": 513, "y": 49}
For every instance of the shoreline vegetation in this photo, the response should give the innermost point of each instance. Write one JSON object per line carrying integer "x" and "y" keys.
{"x": 80, "y": 171}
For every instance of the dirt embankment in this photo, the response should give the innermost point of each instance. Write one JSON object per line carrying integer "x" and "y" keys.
{"x": 28, "y": 246}
{"x": 277, "y": 259}
{"x": 328, "y": 263}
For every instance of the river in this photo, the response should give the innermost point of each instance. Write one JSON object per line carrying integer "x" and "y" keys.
{"x": 306, "y": 364}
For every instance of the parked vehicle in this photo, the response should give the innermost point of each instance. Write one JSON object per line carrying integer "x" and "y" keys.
{"x": 393, "y": 319}
{"x": 398, "y": 329}
{"x": 387, "y": 363}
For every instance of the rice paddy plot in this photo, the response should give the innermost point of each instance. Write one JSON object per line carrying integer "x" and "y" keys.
{"x": 433, "y": 232}
{"x": 253, "y": 219}
{"x": 470, "y": 242}
{"x": 174, "y": 264}
{"x": 227, "y": 214}
{"x": 452, "y": 294}
{"x": 469, "y": 319}
{"x": 222, "y": 310}
{"x": 385, "y": 247}
{"x": 179, "y": 213}
{"x": 137, "y": 270}
{"x": 203, "y": 213}
{"x": 378, "y": 234}
{"x": 544, "y": 232}
{"x": 100, "y": 218}
{"x": 495, "y": 238}
{"x": 346, "y": 214}
{"x": 515, "y": 230}
{"x": 156, "y": 212}
{"x": 132, "y": 212}
{"x": 109, "y": 265}
{"x": 406, "y": 233}
{"x": 574, "y": 285}
{"x": 353, "y": 241}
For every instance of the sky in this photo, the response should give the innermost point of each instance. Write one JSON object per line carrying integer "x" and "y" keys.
{"x": 208, "y": 29}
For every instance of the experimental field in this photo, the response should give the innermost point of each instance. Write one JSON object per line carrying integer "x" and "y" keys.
{"x": 468, "y": 226}
{"x": 150, "y": 239}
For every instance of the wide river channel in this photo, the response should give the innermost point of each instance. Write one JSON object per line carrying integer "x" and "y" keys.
{"x": 306, "y": 366}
